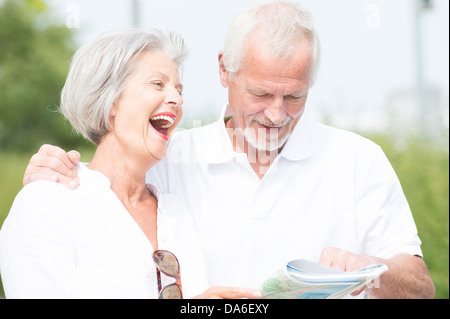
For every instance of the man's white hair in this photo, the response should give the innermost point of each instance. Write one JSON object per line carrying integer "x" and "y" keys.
{"x": 280, "y": 26}
{"x": 98, "y": 73}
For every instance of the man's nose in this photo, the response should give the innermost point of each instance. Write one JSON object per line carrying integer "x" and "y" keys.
{"x": 276, "y": 112}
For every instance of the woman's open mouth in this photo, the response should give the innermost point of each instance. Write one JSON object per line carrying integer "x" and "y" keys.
{"x": 161, "y": 122}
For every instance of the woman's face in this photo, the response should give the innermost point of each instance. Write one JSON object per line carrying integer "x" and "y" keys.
{"x": 149, "y": 108}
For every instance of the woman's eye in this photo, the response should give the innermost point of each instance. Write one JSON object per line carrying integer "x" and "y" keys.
{"x": 158, "y": 84}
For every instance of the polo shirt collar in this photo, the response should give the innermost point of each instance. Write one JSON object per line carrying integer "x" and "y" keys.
{"x": 300, "y": 144}
{"x": 217, "y": 147}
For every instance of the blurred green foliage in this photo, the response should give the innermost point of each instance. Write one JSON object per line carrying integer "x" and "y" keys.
{"x": 34, "y": 60}
{"x": 423, "y": 169}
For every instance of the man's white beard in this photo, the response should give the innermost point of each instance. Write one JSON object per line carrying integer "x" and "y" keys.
{"x": 262, "y": 141}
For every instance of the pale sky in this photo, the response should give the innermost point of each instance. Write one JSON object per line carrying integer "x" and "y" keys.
{"x": 368, "y": 49}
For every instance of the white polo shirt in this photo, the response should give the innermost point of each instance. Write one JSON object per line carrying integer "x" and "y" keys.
{"x": 328, "y": 187}
{"x": 58, "y": 243}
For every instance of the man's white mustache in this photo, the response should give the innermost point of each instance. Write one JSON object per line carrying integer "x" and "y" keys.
{"x": 267, "y": 122}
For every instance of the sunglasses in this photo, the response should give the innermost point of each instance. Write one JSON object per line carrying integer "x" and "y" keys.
{"x": 167, "y": 263}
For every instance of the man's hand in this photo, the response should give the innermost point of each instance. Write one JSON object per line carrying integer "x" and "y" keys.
{"x": 52, "y": 163}
{"x": 346, "y": 261}
{"x": 407, "y": 275}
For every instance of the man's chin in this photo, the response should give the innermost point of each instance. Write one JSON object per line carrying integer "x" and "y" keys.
{"x": 264, "y": 146}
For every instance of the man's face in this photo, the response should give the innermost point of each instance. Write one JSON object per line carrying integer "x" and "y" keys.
{"x": 267, "y": 96}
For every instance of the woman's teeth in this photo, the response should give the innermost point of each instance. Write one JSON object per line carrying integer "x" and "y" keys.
{"x": 162, "y": 121}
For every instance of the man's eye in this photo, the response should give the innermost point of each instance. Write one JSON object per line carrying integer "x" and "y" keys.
{"x": 294, "y": 98}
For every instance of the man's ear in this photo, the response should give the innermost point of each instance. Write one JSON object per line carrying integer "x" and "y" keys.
{"x": 224, "y": 75}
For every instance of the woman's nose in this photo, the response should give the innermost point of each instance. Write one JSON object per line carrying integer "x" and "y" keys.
{"x": 174, "y": 97}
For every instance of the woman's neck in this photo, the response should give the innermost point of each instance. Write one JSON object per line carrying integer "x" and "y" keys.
{"x": 125, "y": 172}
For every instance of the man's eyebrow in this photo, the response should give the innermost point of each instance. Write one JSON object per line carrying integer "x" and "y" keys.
{"x": 298, "y": 93}
{"x": 257, "y": 90}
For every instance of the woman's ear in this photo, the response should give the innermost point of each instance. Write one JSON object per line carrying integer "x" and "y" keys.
{"x": 224, "y": 74}
{"x": 112, "y": 115}
{"x": 113, "y": 111}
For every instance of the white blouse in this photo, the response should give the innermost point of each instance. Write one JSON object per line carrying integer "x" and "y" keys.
{"x": 83, "y": 243}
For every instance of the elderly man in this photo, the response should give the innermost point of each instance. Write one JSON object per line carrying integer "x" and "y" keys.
{"x": 266, "y": 185}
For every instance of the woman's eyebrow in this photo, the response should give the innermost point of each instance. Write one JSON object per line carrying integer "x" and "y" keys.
{"x": 179, "y": 86}
{"x": 155, "y": 73}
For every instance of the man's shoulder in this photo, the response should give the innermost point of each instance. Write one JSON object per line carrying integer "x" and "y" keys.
{"x": 340, "y": 135}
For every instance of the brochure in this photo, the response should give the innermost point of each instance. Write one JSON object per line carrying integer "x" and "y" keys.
{"x": 303, "y": 279}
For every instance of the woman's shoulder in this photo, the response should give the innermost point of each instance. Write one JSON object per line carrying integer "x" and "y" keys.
{"x": 44, "y": 199}
{"x": 45, "y": 191}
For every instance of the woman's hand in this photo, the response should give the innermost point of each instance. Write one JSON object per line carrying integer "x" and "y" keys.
{"x": 229, "y": 293}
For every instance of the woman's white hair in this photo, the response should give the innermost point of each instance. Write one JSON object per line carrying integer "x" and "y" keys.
{"x": 98, "y": 73}
{"x": 279, "y": 26}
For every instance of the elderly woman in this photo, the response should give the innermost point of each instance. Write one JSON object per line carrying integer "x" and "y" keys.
{"x": 115, "y": 236}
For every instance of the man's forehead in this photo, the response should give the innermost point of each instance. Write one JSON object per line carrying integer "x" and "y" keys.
{"x": 272, "y": 88}
{"x": 285, "y": 84}
{"x": 262, "y": 69}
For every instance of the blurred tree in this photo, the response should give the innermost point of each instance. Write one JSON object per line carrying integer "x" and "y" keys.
{"x": 34, "y": 60}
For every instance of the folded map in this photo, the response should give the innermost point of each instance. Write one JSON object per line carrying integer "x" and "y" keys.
{"x": 303, "y": 279}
